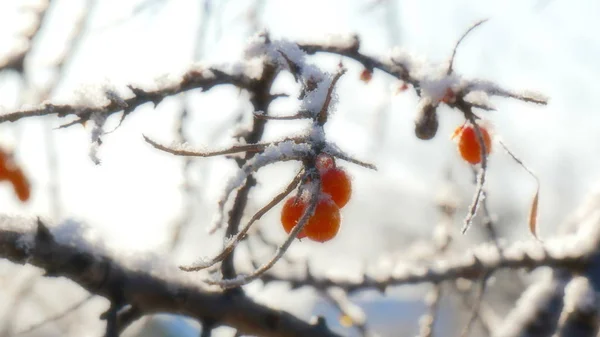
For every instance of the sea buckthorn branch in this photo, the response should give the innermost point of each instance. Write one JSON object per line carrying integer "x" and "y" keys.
{"x": 241, "y": 280}
{"x": 317, "y": 93}
{"x": 180, "y": 151}
{"x": 143, "y": 292}
{"x": 204, "y": 79}
{"x": 434, "y": 88}
{"x": 572, "y": 253}
{"x": 465, "y": 34}
{"x": 260, "y": 98}
{"x": 232, "y": 243}
{"x": 349, "y": 47}
{"x": 285, "y": 151}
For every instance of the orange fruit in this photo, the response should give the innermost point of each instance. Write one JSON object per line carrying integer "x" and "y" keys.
{"x": 468, "y": 143}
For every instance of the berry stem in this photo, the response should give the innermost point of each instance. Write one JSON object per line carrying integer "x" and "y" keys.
{"x": 480, "y": 177}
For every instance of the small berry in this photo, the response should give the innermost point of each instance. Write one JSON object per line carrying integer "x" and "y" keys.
{"x": 20, "y": 184}
{"x": 322, "y": 226}
{"x": 468, "y": 143}
{"x": 366, "y": 75}
{"x": 291, "y": 213}
{"x": 325, "y": 223}
{"x": 13, "y": 173}
{"x": 337, "y": 183}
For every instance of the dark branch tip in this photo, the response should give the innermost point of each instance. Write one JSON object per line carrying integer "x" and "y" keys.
{"x": 43, "y": 234}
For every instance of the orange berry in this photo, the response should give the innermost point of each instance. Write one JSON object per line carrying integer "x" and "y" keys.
{"x": 325, "y": 223}
{"x": 322, "y": 226}
{"x": 20, "y": 184}
{"x": 366, "y": 75}
{"x": 468, "y": 143}
{"x": 292, "y": 212}
{"x": 336, "y": 182}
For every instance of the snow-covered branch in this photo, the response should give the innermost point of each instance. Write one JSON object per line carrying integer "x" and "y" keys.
{"x": 145, "y": 291}
{"x": 573, "y": 253}
{"x": 204, "y": 79}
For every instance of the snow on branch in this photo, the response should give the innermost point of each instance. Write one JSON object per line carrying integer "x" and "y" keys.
{"x": 572, "y": 253}
{"x": 204, "y": 79}
{"x": 21, "y": 241}
{"x": 281, "y": 152}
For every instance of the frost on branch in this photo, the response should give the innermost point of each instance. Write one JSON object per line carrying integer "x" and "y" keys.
{"x": 281, "y": 152}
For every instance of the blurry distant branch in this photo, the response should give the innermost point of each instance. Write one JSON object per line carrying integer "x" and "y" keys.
{"x": 57, "y": 316}
{"x": 16, "y": 60}
{"x": 145, "y": 291}
{"x": 572, "y": 253}
{"x": 72, "y": 46}
{"x": 580, "y": 311}
{"x": 18, "y": 298}
{"x": 352, "y": 314}
{"x": 442, "y": 238}
{"x": 536, "y": 313}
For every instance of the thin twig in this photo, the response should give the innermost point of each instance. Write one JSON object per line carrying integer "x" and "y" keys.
{"x": 480, "y": 177}
{"x": 477, "y": 24}
{"x": 232, "y": 243}
{"x": 308, "y": 213}
{"x": 475, "y": 309}
{"x": 195, "y": 153}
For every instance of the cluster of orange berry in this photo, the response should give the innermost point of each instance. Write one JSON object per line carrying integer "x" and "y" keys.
{"x": 336, "y": 189}
{"x": 13, "y": 173}
{"x": 468, "y": 143}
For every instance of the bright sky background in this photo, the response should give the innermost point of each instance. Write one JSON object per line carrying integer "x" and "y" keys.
{"x": 134, "y": 196}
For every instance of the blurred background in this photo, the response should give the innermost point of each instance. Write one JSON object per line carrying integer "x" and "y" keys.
{"x": 136, "y": 198}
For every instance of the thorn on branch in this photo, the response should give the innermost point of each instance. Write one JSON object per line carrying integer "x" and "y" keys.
{"x": 43, "y": 234}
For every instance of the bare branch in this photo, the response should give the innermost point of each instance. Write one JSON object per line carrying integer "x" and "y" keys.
{"x": 273, "y": 154}
{"x": 16, "y": 60}
{"x": 494, "y": 90}
{"x": 179, "y": 151}
{"x": 57, "y": 316}
{"x": 232, "y": 243}
{"x": 351, "y": 50}
{"x": 308, "y": 213}
{"x": 477, "y": 24}
{"x": 324, "y": 113}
